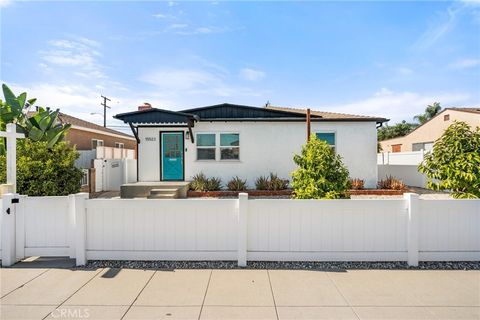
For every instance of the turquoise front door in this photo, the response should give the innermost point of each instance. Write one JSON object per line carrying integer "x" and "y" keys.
{"x": 172, "y": 155}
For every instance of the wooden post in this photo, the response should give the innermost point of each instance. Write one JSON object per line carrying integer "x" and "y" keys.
{"x": 308, "y": 125}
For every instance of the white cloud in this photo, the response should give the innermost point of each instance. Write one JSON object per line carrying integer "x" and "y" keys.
{"x": 205, "y": 81}
{"x": 399, "y": 106}
{"x": 172, "y": 3}
{"x": 159, "y": 16}
{"x": 445, "y": 22}
{"x": 81, "y": 54}
{"x": 5, "y": 3}
{"x": 81, "y": 100}
{"x": 465, "y": 63}
{"x": 252, "y": 74}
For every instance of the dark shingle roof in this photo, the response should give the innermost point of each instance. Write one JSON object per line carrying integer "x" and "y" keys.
{"x": 472, "y": 110}
{"x": 330, "y": 115}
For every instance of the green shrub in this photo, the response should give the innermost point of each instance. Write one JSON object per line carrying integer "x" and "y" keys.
{"x": 213, "y": 184}
{"x": 276, "y": 183}
{"x": 392, "y": 183}
{"x": 262, "y": 183}
{"x": 357, "y": 184}
{"x": 237, "y": 184}
{"x": 199, "y": 182}
{"x": 321, "y": 173}
{"x": 454, "y": 162}
{"x": 271, "y": 182}
{"x": 44, "y": 171}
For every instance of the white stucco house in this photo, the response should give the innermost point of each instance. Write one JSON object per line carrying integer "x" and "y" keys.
{"x": 229, "y": 140}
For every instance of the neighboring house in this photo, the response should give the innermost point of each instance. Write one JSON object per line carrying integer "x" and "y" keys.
{"x": 87, "y": 135}
{"x": 423, "y": 137}
{"x": 227, "y": 140}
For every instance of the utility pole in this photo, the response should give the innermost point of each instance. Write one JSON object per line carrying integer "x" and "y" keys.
{"x": 104, "y": 104}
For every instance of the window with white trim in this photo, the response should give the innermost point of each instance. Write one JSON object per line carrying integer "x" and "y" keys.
{"x": 229, "y": 146}
{"x": 96, "y": 143}
{"x": 328, "y": 137}
{"x": 120, "y": 145}
{"x": 206, "y": 146}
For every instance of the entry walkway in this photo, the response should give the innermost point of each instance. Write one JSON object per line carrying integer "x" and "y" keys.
{"x": 44, "y": 292}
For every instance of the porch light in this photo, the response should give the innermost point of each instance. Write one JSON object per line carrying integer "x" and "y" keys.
{"x": 187, "y": 136}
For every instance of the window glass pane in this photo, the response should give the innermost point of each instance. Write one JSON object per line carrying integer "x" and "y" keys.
{"x": 206, "y": 154}
{"x": 230, "y": 153}
{"x": 206, "y": 139}
{"x": 328, "y": 137}
{"x": 229, "y": 139}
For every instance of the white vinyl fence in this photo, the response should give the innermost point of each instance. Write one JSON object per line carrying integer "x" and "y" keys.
{"x": 408, "y": 229}
{"x": 412, "y": 158}
{"x": 403, "y": 166}
{"x": 111, "y": 174}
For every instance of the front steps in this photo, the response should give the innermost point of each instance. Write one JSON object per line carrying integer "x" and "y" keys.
{"x": 163, "y": 193}
{"x": 155, "y": 190}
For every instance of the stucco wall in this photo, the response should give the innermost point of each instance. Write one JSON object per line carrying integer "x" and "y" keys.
{"x": 265, "y": 147}
{"x": 432, "y": 130}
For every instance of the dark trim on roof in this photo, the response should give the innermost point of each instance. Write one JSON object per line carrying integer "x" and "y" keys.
{"x": 229, "y": 112}
{"x": 215, "y": 109}
{"x": 120, "y": 115}
{"x": 155, "y": 115}
{"x": 235, "y": 112}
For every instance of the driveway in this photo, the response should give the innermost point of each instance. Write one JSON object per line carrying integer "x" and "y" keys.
{"x": 45, "y": 291}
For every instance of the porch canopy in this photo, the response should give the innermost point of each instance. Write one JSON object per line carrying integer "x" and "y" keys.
{"x": 154, "y": 116}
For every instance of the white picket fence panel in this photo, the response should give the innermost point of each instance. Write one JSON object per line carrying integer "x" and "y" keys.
{"x": 327, "y": 230}
{"x": 449, "y": 229}
{"x": 161, "y": 229}
{"x": 241, "y": 229}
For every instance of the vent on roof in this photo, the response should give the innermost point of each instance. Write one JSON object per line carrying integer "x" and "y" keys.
{"x": 145, "y": 106}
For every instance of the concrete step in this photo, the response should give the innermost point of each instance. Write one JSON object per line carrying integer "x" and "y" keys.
{"x": 168, "y": 186}
{"x": 163, "y": 196}
{"x": 163, "y": 191}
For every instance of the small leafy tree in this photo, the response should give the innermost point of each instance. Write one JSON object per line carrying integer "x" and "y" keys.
{"x": 321, "y": 173}
{"x": 454, "y": 162}
{"x": 430, "y": 111}
{"x": 44, "y": 171}
{"x": 397, "y": 130}
{"x": 42, "y": 125}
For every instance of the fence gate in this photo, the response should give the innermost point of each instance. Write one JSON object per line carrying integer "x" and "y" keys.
{"x": 37, "y": 226}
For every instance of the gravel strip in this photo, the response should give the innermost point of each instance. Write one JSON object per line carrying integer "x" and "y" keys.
{"x": 287, "y": 265}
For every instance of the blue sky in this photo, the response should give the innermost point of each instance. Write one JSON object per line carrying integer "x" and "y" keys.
{"x": 387, "y": 59}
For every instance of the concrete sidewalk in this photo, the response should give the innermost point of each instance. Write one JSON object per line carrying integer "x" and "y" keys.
{"x": 61, "y": 293}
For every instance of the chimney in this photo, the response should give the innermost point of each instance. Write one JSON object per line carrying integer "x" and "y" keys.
{"x": 145, "y": 106}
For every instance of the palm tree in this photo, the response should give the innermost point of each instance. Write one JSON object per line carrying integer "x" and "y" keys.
{"x": 430, "y": 111}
